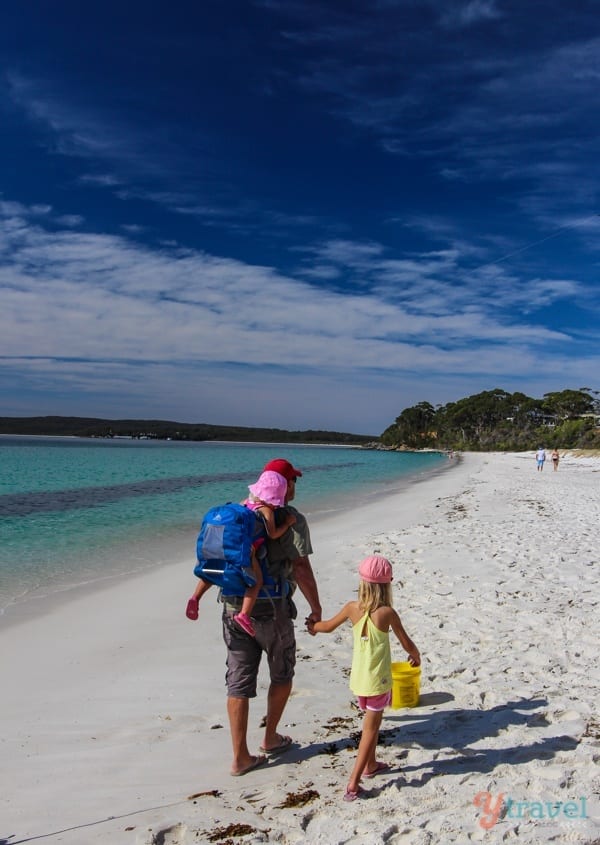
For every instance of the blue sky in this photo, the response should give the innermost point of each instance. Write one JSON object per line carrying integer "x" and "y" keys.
{"x": 297, "y": 214}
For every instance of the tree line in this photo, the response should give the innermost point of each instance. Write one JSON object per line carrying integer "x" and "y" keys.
{"x": 166, "y": 430}
{"x": 496, "y": 420}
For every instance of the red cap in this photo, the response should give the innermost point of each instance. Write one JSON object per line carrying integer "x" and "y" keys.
{"x": 283, "y": 467}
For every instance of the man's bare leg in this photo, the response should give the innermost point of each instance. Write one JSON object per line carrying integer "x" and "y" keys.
{"x": 276, "y": 701}
{"x": 237, "y": 711}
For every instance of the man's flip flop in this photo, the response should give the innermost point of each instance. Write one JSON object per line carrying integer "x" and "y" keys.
{"x": 379, "y": 767}
{"x": 256, "y": 762}
{"x": 283, "y": 745}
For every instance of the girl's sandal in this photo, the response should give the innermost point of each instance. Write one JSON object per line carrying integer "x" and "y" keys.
{"x": 379, "y": 767}
{"x": 349, "y": 795}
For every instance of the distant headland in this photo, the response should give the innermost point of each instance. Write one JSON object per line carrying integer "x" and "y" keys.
{"x": 168, "y": 430}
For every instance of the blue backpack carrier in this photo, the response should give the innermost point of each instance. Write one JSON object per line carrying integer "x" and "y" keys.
{"x": 224, "y": 550}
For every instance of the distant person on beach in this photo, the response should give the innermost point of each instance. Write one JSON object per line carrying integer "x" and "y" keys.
{"x": 288, "y": 561}
{"x": 555, "y": 459}
{"x": 540, "y": 457}
{"x": 265, "y": 495}
{"x": 372, "y": 616}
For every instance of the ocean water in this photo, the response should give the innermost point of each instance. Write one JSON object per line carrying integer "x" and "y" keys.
{"x": 77, "y": 511}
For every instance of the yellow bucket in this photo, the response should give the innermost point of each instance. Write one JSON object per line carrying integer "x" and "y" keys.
{"x": 406, "y": 685}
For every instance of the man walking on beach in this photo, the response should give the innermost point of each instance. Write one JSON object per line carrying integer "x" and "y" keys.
{"x": 540, "y": 457}
{"x": 288, "y": 559}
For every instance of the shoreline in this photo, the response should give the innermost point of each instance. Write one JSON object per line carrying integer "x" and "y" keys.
{"x": 114, "y": 703}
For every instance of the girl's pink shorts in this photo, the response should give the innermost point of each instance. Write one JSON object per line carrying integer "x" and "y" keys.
{"x": 375, "y": 702}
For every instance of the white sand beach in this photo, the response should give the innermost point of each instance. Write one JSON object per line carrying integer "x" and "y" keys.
{"x": 113, "y": 704}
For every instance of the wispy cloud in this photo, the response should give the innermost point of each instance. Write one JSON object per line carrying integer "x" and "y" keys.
{"x": 145, "y": 165}
{"x": 99, "y": 321}
{"x": 133, "y": 161}
{"x": 77, "y": 130}
{"x": 473, "y": 12}
{"x": 487, "y": 107}
{"x": 79, "y": 296}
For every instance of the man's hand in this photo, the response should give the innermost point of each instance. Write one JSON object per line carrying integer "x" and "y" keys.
{"x": 310, "y": 621}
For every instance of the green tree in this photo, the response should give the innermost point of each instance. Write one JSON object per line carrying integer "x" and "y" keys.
{"x": 414, "y": 427}
{"x": 467, "y": 420}
{"x": 496, "y": 419}
{"x": 569, "y": 404}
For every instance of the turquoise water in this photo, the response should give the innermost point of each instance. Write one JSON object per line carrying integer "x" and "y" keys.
{"x": 76, "y": 511}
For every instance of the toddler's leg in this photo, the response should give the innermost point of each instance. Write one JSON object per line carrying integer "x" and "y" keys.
{"x": 243, "y": 617}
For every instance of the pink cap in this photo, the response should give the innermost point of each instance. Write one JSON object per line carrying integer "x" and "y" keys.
{"x": 283, "y": 467}
{"x": 271, "y": 488}
{"x": 376, "y": 570}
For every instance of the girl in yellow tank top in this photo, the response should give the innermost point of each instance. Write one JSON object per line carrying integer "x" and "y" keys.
{"x": 372, "y": 616}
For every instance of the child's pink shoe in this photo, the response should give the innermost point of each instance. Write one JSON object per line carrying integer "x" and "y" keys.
{"x": 191, "y": 610}
{"x": 245, "y": 622}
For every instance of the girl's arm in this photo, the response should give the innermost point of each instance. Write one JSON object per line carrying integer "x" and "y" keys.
{"x": 407, "y": 644}
{"x": 276, "y": 531}
{"x": 326, "y": 626}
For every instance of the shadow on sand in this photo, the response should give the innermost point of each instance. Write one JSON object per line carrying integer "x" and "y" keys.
{"x": 450, "y": 735}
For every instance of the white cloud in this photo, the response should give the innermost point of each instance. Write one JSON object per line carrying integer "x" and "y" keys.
{"x": 102, "y": 316}
{"x": 99, "y": 296}
{"x": 71, "y": 220}
{"x": 100, "y": 273}
{"x": 105, "y": 180}
{"x": 473, "y": 12}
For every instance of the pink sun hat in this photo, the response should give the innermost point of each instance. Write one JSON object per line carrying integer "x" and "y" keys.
{"x": 270, "y": 488}
{"x": 376, "y": 570}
